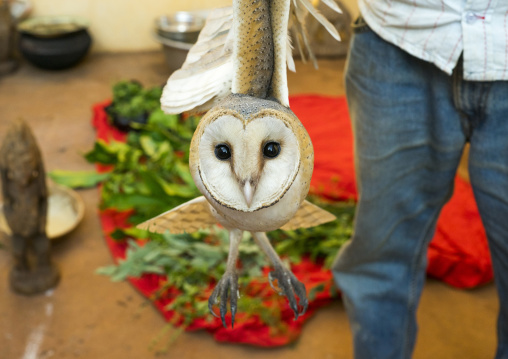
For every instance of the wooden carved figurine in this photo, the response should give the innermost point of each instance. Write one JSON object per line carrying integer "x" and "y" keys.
{"x": 25, "y": 207}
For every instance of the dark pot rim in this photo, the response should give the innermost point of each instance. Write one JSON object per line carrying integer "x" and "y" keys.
{"x": 26, "y": 26}
{"x": 49, "y": 38}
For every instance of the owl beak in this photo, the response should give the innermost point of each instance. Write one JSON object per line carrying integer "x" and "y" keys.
{"x": 248, "y": 192}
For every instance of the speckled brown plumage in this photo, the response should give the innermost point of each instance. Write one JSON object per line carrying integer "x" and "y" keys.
{"x": 253, "y": 48}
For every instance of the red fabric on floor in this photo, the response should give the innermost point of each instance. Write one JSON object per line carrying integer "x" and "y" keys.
{"x": 327, "y": 122}
{"x": 458, "y": 254}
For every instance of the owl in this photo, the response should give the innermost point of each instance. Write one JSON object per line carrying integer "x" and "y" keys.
{"x": 250, "y": 156}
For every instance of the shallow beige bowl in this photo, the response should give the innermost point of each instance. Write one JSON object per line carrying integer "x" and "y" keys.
{"x": 65, "y": 211}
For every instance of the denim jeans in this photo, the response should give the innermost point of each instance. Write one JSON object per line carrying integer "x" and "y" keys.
{"x": 411, "y": 122}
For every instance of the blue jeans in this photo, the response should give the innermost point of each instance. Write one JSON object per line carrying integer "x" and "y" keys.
{"x": 411, "y": 122}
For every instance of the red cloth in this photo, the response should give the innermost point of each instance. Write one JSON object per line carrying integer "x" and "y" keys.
{"x": 457, "y": 255}
{"x": 327, "y": 122}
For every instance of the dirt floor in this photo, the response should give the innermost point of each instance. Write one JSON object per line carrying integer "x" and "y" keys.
{"x": 87, "y": 316}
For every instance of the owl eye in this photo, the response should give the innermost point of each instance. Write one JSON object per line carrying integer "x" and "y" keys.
{"x": 271, "y": 149}
{"x": 222, "y": 152}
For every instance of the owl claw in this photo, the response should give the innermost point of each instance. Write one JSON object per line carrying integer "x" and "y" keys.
{"x": 290, "y": 287}
{"x": 227, "y": 284}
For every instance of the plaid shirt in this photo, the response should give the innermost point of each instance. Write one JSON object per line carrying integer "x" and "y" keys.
{"x": 439, "y": 31}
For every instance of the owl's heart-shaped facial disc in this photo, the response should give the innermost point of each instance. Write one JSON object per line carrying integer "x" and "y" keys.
{"x": 248, "y": 164}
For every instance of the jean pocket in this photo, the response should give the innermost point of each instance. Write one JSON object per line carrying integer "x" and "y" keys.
{"x": 359, "y": 25}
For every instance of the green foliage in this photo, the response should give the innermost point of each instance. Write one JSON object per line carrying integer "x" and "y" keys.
{"x": 190, "y": 262}
{"x": 150, "y": 170}
{"x": 78, "y": 179}
{"x": 130, "y": 99}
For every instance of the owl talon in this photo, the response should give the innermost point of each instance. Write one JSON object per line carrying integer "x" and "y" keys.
{"x": 227, "y": 287}
{"x": 290, "y": 287}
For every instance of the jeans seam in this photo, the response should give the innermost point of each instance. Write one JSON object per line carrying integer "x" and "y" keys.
{"x": 457, "y": 81}
{"x": 484, "y": 96}
{"x": 412, "y": 298}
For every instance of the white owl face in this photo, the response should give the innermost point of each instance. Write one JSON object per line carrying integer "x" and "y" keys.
{"x": 249, "y": 164}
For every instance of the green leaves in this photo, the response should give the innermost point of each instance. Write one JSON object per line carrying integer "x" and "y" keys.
{"x": 190, "y": 262}
{"x": 136, "y": 264}
{"x": 314, "y": 291}
{"x": 159, "y": 118}
{"x": 130, "y": 99}
{"x": 78, "y": 179}
{"x": 174, "y": 189}
{"x": 150, "y": 171}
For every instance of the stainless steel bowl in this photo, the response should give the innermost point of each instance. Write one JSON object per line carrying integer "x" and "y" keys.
{"x": 181, "y": 26}
{"x": 175, "y": 52}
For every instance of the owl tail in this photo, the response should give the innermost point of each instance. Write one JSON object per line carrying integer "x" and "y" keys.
{"x": 260, "y": 47}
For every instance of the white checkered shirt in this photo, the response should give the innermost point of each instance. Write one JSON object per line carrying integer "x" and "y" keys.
{"x": 438, "y": 31}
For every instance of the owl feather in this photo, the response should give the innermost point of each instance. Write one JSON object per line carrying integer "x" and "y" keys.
{"x": 197, "y": 214}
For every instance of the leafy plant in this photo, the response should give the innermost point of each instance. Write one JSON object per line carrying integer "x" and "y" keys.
{"x": 150, "y": 170}
{"x": 78, "y": 179}
{"x": 190, "y": 263}
{"x": 130, "y": 99}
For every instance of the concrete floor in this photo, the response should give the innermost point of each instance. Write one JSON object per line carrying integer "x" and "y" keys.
{"x": 87, "y": 316}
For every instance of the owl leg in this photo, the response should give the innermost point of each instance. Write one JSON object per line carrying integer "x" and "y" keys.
{"x": 228, "y": 282}
{"x": 289, "y": 285}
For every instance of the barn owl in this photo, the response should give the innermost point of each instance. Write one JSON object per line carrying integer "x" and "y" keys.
{"x": 250, "y": 156}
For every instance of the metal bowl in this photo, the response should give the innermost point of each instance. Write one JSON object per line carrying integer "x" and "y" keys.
{"x": 181, "y": 26}
{"x": 175, "y": 52}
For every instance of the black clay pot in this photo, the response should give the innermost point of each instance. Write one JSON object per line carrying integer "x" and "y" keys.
{"x": 123, "y": 123}
{"x": 55, "y": 53}
{"x": 54, "y": 42}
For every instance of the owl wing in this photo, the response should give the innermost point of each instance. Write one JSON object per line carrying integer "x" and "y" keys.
{"x": 290, "y": 15}
{"x": 206, "y": 76}
{"x": 186, "y": 218}
{"x": 308, "y": 215}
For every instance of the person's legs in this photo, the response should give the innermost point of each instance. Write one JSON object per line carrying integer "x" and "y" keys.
{"x": 488, "y": 168}
{"x": 408, "y": 142}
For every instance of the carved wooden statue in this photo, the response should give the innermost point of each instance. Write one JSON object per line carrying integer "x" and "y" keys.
{"x": 25, "y": 207}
